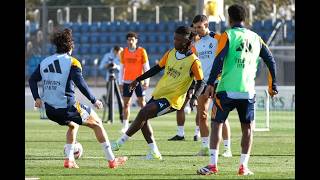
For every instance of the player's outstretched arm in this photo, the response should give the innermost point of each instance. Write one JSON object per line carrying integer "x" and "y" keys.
{"x": 151, "y": 72}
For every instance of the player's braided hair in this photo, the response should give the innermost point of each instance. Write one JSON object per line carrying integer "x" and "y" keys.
{"x": 187, "y": 33}
{"x": 63, "y": 40}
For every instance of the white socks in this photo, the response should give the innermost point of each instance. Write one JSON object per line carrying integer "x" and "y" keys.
{"x": 107, "y": 150}
{"x": 180, "y": 131}
{"x": 244, "y": 158}
{"x": 123, "y": 139}
{"x": 214, "y": 156}
{"x": 197, "y": 131}
{"x": 205, "y": 141}
{"x": 227, "y": 144}
{"x": 70, "y": 151}
{"x": 125, "y": 124}
{"x": 154, "y": 148}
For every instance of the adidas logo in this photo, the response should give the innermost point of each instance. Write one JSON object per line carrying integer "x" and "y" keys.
{"x": 160, "y": 104}
{"x": 54, "y": 68}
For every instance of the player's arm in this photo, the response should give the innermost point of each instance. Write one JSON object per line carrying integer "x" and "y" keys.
{"x": 146, "y": 66}
{"x": 151, "y": 72}
{"x": 77, "y": 78}
{"x": 121, "y": 70}
{"x": 198, "y": 75}
{"x": 196, "y": 70}
{"x": 223, "y": 47}
{"x": 268, "y": 59}
{"x": 33, "y": 83}
{"x": 155, "y": 69}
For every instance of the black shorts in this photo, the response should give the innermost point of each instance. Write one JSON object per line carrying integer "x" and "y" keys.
{"x": 163, "y": 105}
{"x": 63, "y": 116}
{"x": 223, "y": 105}
{"x": 139, "y": 90}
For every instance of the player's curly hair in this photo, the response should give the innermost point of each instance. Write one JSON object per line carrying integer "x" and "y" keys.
{"x": 237, "y": 12}
{"x": 63, "y": 40}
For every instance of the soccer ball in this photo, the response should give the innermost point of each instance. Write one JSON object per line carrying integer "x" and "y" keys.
{"x": 78, "y": 150}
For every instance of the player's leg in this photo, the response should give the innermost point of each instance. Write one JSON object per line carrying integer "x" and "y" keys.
{"x": 84, "y": 115}
{"x": 140, "y": 93}
{"x": 245, "y": 110}
{"x": 196, "y": 136}
{"x": 58, "y": 116}
{"x": 126, "y": 106}
{"x": 147, "y": 112}
{"x": 202, "y": 115}
{"x": 71, "y": 135}
{"x": 220, "y": 112}
{"x": 181, "y": 118}
{"x": 147, "y": 132}
{"x": 226, "y": 135}
{"x": 152, "y": 109}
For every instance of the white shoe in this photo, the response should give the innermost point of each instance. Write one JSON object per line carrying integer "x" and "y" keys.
{"x": 227, "y": 153}
{"x": 153, "y": 156}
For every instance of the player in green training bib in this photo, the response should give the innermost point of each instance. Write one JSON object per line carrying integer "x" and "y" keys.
{"x": 238, "y": 62}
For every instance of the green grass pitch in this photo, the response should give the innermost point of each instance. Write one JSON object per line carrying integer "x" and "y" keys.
{"x": 272, "y": 156}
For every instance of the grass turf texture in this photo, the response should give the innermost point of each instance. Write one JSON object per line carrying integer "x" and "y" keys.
{"x": 272, "y": 156}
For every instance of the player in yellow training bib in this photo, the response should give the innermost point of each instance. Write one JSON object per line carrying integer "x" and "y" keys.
{"x": 180, "y": 66}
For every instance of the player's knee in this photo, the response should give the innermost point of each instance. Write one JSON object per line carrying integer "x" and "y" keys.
{"x": 73, "y": 125}
{"x": 144, "y": 114}
{"x": 126, "y": 105}
{"x": 203, "y": 116}
{"x": 93, "y": 123}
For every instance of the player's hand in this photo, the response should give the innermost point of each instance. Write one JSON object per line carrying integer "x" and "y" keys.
{"x": 98, "y": 104}
{"x": 145, "y": 86}
{"x": 209, "y": 93}
{"x": 273, "y": 90}
{"x": 133, "y": 85}
{"x": 193, "y": 102}
{"x": 38, "y": 103}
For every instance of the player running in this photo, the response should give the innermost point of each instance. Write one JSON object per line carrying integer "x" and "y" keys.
{"x": 58, "y": 74}
{"x": 180, "y": 66}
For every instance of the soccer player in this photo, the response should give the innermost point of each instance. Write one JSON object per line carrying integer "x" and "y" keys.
{"x": 207, "y": 48}
{"x": 58, "y": 73}
{"x": 181, "y": 118}
{"x": 238, "y": 61}
{"x": 180, "y": 66}
{"x": 133, "y": 62}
